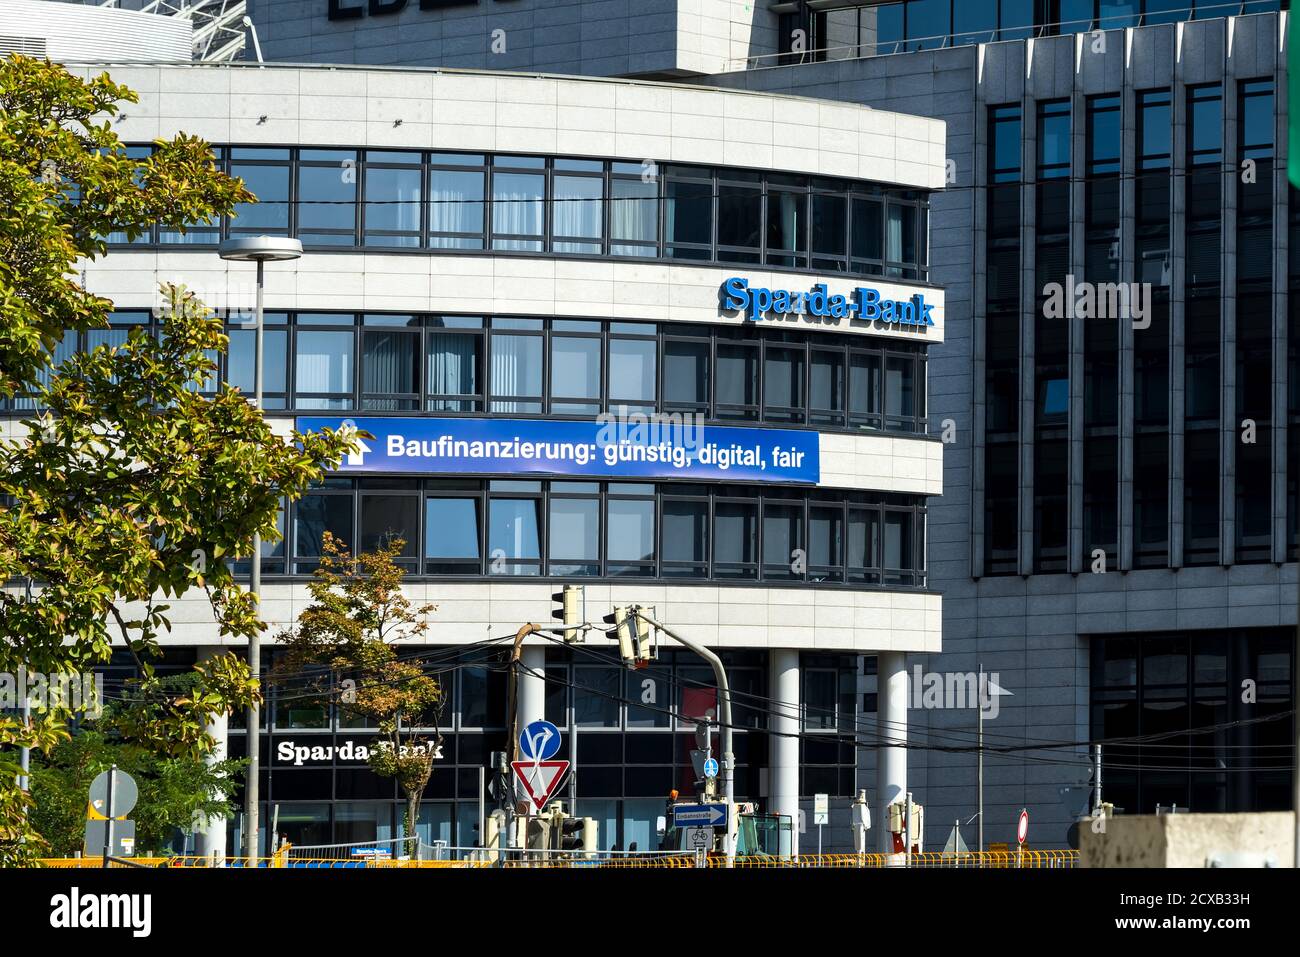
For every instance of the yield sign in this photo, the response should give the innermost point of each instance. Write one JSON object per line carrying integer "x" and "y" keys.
{"x": 540, "y": 779}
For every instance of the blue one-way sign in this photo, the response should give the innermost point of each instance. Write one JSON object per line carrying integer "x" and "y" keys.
{"x": 699, "y": 815}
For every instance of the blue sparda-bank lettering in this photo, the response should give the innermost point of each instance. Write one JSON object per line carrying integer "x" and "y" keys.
{"x": 819, "y": 304}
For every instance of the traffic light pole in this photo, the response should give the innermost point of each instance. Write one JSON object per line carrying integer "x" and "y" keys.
{"x": 512, "y": 718}
{"x": 728, "y": 758}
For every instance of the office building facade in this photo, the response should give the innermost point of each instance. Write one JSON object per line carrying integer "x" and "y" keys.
{"x": 505, "y": 277}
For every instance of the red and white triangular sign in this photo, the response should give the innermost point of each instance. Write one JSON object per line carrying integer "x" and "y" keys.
{"x": 540, "y": 779}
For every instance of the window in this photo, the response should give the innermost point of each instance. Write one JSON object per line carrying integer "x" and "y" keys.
{"x": 456, "y": 207}
{"x": 787, "y": 223}
{"x": 633, "y": 355}
{"x": 518, "y": 203}
{"x": 830, "y": 222}
{"x": 1154, "y": 129}
{"x": 688, "y": 213}
{"x": 393, "y": 183}
{"x": 452, "y": 536}
{"x": 463, "y": 202}
{"x": 326, "y": 509}
{"x": 240, "y": 359}
{"x": 687, "y": 380}
{"x": 324, "y": 369}
{"x": 826, "y": 388}
{"x": 390, "y": 510}
{"x": 454, "y": 527}
{"x": 865, "y": 382}
{"x": 390, "y": 363}
{"x": 783, "y": 544}
{"x": 265, "y": 173}
{"x": 516, "y": 365}
{"x": 454, "y": 364}
{"x": 514, "y": 524}
{"x": 740, "y": 216}
{"x": 1103, "y": 135}
{"x": 685, "y": 536}
{"x": 825, "y": 557}
{"x": 575, "y": 367}
{"x": 783, "y": 378}
{"x": 928, "y": 24}
{"x": 1054, "y": 139}
{"x": 579, "y": 213}
{"x": 630, "y": 533}
{"x": 327, "y": 197}
{"x": 574, "y": 528}
{"x": 737, "y": 378}
{"x": 634, "y": 211}
{"x": 868, "y": 232}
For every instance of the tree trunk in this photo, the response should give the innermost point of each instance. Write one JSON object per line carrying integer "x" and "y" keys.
{"x": 412, "y": 814}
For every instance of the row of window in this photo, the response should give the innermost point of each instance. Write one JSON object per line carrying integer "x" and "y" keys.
{"x": 565, "y": 367}
{"x": 1151, "y": 341}
{"x": 472, "y": 528}
{"x": 885, "y": 28}
{"x": 469, "y": 202}
{"x": 1159, "y": 687}
{"x": 591, "y": 690}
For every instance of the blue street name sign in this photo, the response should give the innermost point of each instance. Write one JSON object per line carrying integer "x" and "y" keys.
{"x": 699, "y": 815}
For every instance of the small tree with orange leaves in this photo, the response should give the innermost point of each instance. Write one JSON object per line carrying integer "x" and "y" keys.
{"x": 354, "y": 627}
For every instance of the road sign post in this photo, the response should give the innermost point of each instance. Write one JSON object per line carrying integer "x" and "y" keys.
{"x": 700, "y": 815}
{"x": 539, "y": 776}
{"x": 821, "y": 815}
{"x": 1022, "y": 832}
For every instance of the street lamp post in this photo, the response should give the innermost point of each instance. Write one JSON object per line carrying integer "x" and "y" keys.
{"x": 260, "y": 250}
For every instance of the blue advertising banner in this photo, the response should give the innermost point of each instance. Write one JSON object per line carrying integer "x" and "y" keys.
{"x": 630, "y": 446}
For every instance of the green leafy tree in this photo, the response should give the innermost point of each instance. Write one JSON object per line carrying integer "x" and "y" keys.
{"x": 353, "y": 628}
{"x": 176, "y": 784}
{"x": 131, "y": 487}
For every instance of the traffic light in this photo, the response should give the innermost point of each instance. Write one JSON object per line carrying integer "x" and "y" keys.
{"x": 621, "y": 619}
{"x": 640, "y": 638}
{"x": 569, "y": 612}
{"x": 569, "y": 834}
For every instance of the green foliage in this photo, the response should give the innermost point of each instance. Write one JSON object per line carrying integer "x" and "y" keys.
{"x": 175, "y": 783}
{"x": 353, "y": 626}
{"x": 131, "y": 488}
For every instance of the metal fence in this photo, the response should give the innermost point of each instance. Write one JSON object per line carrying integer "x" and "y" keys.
{"x": 530, "y": 858}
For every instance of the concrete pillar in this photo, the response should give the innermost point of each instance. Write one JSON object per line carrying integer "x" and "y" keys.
{"x": 532, "y": 686}
{"x": 891, "y": 759}
{"x": 783, "y": 751}
{"x": 210, "y": 832}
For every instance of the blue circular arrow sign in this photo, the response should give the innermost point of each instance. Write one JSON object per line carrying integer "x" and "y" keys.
{"x": 539, "y": 741}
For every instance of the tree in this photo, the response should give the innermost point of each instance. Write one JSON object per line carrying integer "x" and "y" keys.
{"x": 130, "y": 487}
{"x": 174, "y": 785}
{"x": 353, "y": 628}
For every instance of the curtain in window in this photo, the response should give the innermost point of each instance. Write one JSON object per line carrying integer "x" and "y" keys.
{"x": 894, "y": 235}
{"x": 516, "y": 369}
{"x": 324, "y": 362}
{"x": 388, "y": 363}
{"x": 456, "y": 202}
{"x": 517, "y": 204}
{"x": 632, "y": 213}
{"x": 577, "y": 207}
{"x": 453, "y": 365}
